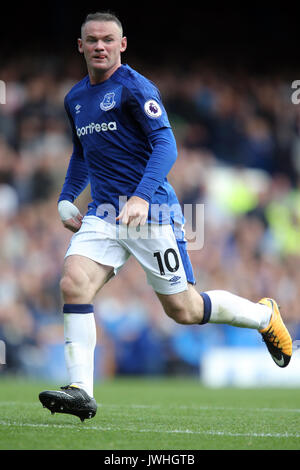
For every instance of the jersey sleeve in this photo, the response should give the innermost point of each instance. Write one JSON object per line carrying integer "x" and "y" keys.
{"x": 77, "y": 177}
{"x": 163, "y": 157}
{"x": 146, "y": 107}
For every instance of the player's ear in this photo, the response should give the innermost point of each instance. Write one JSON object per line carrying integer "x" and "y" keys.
{"x": 123, "y": 44}
{"x": 79, "y": 43}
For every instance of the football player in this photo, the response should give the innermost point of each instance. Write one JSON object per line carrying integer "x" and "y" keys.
{"x": 123, "y": 145}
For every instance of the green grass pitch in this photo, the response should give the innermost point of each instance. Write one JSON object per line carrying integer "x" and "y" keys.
{"x": 153, "y": 414}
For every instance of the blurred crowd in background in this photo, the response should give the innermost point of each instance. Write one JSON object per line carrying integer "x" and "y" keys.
{"x": 238, "y": 138}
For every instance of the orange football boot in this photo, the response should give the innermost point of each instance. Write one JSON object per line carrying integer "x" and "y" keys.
{"x": 276, "y": 335}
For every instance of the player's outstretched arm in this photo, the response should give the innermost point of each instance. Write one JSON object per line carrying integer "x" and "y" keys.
{"x": 70, "y": 215}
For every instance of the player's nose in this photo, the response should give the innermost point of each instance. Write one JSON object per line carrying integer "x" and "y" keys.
{"x": 99, "y": 46}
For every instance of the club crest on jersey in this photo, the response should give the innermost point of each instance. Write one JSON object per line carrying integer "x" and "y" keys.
{"x": 108, "y": 102}
{"x": 152, "y": 109}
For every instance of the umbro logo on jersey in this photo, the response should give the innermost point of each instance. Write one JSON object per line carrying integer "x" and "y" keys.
{"x": 77, "y": 108}
{"x": 98, "y": 127}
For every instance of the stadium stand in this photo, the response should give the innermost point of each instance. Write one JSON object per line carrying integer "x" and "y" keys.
{"x": 238, "y": 138}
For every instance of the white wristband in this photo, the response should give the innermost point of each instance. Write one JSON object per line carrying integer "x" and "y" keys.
{"x": 67, "y": 210}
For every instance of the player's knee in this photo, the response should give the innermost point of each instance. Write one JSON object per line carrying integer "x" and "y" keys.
{"x": 73, "y": 285}
{"x": 179, "y": 314}
{"x": 182, "y": 317}
{"x": 67, "y": 286}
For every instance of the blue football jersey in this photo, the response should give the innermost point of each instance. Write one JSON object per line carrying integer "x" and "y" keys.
{"x": 111, "y": 123}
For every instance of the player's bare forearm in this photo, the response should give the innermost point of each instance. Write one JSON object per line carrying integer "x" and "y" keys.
{"x": 134, "y": 212}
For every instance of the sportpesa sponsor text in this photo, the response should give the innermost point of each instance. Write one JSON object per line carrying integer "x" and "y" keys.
{"x": 96, "y": 127}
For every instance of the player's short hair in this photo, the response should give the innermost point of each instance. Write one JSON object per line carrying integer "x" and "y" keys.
{"x": 102, "y": 16}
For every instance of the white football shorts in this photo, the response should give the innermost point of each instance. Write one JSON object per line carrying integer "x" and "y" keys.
{"x": 163, "y": 258}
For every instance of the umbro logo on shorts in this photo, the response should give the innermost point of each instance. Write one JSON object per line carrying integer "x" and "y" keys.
{"x": 174, "y": 280}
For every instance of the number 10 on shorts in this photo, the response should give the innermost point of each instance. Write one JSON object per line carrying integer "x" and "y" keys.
{"x": 169, "y": 260}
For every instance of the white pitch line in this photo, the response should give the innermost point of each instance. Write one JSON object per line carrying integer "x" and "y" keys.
{"x": 160, "y": 431}
{"x": 178, "y": 407}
